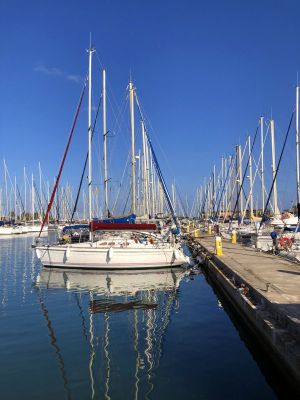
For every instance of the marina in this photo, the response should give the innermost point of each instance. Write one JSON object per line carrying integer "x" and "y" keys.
{"x": 150, "y": 201}
{"x": 74, "y": 335}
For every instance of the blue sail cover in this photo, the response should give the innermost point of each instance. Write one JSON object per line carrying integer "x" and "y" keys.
{"x": 128, "y": 219}
{"x": 81, "y": 226}
{"x": 10, "y": 222}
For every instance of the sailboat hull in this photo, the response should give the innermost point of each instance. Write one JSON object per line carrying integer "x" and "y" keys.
{"x": 85, "y": 256}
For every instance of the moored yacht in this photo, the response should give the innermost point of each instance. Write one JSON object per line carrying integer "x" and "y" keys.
{"x": 116, "y": 245}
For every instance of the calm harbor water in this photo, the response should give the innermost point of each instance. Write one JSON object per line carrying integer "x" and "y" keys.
{"x": 96, "y": 335}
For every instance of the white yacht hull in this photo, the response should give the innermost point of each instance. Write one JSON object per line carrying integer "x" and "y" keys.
{"x": 35, "y": 228}
{"x": 89, "y": 256}
{"x": 6, "y": 230}
{"x": 11, "y": 230}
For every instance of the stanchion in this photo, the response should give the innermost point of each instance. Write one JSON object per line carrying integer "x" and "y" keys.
{"x": 233, "y": 236}
{"x": 218, "y": 244}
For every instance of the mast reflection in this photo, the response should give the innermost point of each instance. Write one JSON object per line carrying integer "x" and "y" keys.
{"x": 140, "y": 303}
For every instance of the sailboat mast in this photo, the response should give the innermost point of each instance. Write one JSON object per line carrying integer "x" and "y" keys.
{"x": 90, "y": 51}
{"x": 32, "y": 199}
{"x": 173, "y": 195}
{"x": 131, "y": 95}
{"x": 297, "y": 151}
{"x": 240, "y": 180}
{"x": 6, "y": 191}
{"x": 145, "y": 175}
{"x": 104, "y": 141}
{"x": 25, "y": 194}
{"x": 15, "y": 202}
{"x": 250, "y": 180}
{"x": 41, "y": 197}
{"x": 276, "y": 212}
{"x": 262, "y": 163}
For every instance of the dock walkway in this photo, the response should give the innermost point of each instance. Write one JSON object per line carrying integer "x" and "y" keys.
{"x": 271, "y": 301}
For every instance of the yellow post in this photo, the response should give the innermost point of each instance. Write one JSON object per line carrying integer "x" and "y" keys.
{"x": 188, "y": 228}
{"x": 193, "y": 225}
{"x": 197, "y": 233}
{"x": 209, "y": 229}
{"x": 218, "y": 242}
{"x": 233, "y": 236}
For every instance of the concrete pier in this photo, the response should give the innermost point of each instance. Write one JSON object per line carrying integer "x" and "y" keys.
{"x": 265, "y": 291}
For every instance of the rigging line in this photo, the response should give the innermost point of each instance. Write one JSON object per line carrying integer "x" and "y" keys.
{"x": 21, "y": 201}
{"x": 146, "y": 118}
{"x": 127, "y": 199}
{"x": 157, "y": 167}
{"x": 182, "y": 203}
{"x": 202, "y": 210}
{"x": 66, "y": 202}
{"x": 234, "y": 182}
{"x": 217, "y": 191}
{"x": 276, "y": 172}
{"x": 244, "y": 176}
{"x": 85, "y": 163}
{"x": 121, "y": 183}
{"x": 254, "y": 178}
{"x": 259, "y": 174}
{"x": 107, "y": 80}
{"x": 119, "y": 115}
{"x": 224, "y": 185}
{"x": 64, "y": 158}
{"x": 38, "y": 198}
{"x": 125, "y": 138}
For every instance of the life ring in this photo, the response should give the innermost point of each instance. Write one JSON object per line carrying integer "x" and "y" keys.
{"x": 285, "y": 242}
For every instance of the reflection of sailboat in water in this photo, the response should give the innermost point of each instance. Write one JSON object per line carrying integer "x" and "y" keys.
{"x": 124, "y": 319}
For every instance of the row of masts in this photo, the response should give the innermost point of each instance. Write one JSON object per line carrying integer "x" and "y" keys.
{"x": 27, "y": 202}
{"x": 228, "y": 192}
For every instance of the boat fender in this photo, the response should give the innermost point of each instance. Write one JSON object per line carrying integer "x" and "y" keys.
{"x": 38, "y": 253}
{"x": 110, "y": 254}
{"x": 38, "y": 279}
{"x": 68, "y": 253}
{"x": 176, "y": 254}
{"x": 187, "y": 260}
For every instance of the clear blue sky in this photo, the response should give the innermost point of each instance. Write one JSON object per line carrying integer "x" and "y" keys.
{"x": 204, "y": 70}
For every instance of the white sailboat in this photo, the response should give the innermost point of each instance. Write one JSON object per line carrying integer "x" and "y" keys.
{"x": 129, "y": 246}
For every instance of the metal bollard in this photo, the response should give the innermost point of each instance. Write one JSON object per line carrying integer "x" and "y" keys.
{"x": 218, "y": 243}
{"x": 233, "y": 236}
